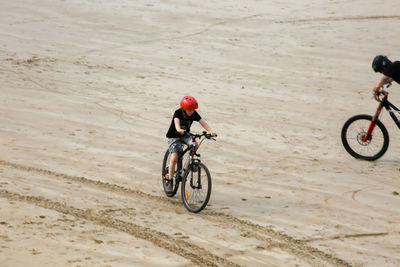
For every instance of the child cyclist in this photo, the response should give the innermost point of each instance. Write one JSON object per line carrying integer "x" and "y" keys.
{"x": 177, "y": 132}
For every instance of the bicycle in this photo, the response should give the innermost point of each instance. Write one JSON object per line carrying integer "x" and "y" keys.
{"x": 194, "y": 175}
{"x": 360, "y": 136}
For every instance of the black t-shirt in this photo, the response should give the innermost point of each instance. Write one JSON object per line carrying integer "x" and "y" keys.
{"x": 393, "y": 71}
{"x": 185, "y": 122}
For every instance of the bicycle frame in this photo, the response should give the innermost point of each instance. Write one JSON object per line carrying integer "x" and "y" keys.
{"x": 180, "y": 167}
{"x": 191, "y": 159}
{"x": 388, "y": 106}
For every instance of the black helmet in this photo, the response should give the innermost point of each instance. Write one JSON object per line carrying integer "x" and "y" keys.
{"x": 380, "y": 62}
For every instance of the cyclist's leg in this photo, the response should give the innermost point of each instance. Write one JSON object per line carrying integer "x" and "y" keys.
{"x": 172, "y": 163}
{"x": 174, "y": 146}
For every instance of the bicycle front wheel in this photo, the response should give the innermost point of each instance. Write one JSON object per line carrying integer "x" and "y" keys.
{"x": 353, "y": 132}
{"x": 196, "y": 187}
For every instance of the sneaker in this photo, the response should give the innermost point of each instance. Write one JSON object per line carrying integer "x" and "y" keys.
{"x": 168, "y": 185}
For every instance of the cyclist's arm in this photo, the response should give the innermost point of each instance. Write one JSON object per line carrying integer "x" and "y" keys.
{"x": 206, "y": 127}
{"x": 178, "y": 128}
{"x": 385, "y": 79}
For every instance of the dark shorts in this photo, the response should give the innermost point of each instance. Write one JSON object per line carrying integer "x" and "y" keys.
{"x": 175, "y": 144}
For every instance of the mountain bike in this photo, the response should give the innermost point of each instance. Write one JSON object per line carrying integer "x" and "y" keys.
{"x": 364, "y": 136}
{"x": 194, "y": 175}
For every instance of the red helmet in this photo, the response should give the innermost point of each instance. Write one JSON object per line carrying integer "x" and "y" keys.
{"x": 189, "y": 102}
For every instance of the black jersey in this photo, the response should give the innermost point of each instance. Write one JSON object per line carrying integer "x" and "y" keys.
{"x": 393, "y": 71}
{"x": 185, "y": 122}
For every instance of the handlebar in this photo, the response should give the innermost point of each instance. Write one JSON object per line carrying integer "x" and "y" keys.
{"x": 205, "y": 134}
{"x": 383, "y": 91}
{"x": 385, "y": 87}
{"x": 195, "y": 136}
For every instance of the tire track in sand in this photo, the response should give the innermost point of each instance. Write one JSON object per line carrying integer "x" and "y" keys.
{"x": 330, "y": 19}
{"x": 190, "y": 251}
{"x": 270, "y": 237}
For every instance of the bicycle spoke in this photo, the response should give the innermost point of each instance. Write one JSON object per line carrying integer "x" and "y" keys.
{"x": 366, "y": 148}
{"x": 195, "y": 197}
{"x": 353, "y": 138}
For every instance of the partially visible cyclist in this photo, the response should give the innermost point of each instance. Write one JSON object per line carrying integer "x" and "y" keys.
{"x": 390, "y": 71}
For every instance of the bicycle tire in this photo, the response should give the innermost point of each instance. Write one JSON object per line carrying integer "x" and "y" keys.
{"x": 355, "y": 128}
{"x": 196, "y": 199}
{"x": 164, "y": 172}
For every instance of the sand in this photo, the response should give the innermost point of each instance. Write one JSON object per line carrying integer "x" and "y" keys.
{"x": 88, "y": 89}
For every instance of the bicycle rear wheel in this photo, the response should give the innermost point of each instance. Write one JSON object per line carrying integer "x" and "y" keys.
{"x": 196, "y": 187}
{"x": 164, "y": 176}
{"x": 353, "y": 132}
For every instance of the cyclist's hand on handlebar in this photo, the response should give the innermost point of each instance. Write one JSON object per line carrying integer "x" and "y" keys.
{"x": 181, "y": 132}
{"x": 379, "y": 89}
{"x": 376, "y": 95}
{"x": 209, "y": 135}
{"x": 380, "y": 92}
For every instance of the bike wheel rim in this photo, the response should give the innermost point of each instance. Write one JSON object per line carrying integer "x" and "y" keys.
{"x": 196, "y": 199}
{"x": 370, "y": 148}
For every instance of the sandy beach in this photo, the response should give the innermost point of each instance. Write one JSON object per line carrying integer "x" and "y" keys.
{"x": 88, "y": 90}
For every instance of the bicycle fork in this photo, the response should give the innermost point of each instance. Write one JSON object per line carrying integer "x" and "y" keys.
{"x": 198, "y": 171}
{"x": 191, "y": 165}
{"x": 372, "y": 124}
